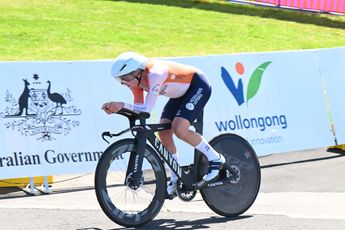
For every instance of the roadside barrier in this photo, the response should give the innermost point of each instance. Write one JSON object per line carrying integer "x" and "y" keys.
{"x": 278, "y": 101}
{"x": 28, "y": 183}
{"x": 337, "y": 149}
{"x": 323, "y": 6}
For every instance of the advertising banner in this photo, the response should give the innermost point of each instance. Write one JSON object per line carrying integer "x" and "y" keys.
{"x": 51, "y": 119}
{"x": 274, "y": 100}
{"x": 336, "y": 6}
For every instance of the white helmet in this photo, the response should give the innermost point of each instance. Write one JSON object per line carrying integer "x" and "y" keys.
{"x": 126, "y": 63}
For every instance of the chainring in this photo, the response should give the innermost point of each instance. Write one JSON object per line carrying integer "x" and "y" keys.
{"x": 183, "y": 193}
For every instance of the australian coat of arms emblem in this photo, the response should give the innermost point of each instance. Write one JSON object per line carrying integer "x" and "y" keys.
{"x": 40, "y": 110}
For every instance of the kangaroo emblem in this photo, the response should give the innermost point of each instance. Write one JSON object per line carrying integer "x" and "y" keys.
{"x": 24, "y": 99}
{"x": 39, "y": 111}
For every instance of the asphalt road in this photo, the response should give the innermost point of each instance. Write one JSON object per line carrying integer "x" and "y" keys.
{"x": 299, "y": 190}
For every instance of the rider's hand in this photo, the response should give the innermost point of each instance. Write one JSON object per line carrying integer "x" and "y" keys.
{"x": 112, "y": 107}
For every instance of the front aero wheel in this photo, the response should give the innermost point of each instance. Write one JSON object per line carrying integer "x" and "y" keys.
{"x": 124, "y": 204}
{"x": 238, "y": 193}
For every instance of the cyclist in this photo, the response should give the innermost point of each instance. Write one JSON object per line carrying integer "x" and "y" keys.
{"x": 188, "y": 90}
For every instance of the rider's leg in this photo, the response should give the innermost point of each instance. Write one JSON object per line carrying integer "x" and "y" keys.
{"x": 180, "y": 127}
{"x": 166, "y": 137}
{"x": 186, "y": 109}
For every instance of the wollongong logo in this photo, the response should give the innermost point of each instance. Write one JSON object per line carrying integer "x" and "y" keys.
{"x": 238, "y": 122}
{"x": 253, "y": 84}
{"x": 39, "y": 112}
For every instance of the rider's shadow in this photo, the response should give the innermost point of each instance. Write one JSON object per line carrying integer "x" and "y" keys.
{"x": 186, "y": 225}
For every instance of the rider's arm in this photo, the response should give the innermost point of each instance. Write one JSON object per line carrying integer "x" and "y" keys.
{"x": 156, "y": 78}
{"x": 138, "y": 94}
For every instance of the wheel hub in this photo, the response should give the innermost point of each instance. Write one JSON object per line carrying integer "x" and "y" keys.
{"x": 131, "y": 185}
{"x": 234, "y": 177}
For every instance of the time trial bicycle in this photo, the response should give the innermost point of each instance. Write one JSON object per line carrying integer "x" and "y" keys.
{"x": 130, "y": 178}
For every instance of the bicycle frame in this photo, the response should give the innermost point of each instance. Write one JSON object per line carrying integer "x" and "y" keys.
{"x": 143, "y": 132}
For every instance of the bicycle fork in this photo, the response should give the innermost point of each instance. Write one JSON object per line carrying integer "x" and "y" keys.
{"x": 134, "y": 172}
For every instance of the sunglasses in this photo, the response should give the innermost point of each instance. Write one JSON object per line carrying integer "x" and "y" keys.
{"x": 126, "y": 78}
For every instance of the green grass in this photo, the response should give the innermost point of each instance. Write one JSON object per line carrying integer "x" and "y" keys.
{"x": 85, "y": 29}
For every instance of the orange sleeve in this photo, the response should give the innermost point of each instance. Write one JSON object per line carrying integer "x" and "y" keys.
{"x": 138, "y": 94}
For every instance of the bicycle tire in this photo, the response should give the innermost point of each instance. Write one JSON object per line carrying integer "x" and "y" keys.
{"x": 233, "y": 199}
{"x": 111, "y": 185}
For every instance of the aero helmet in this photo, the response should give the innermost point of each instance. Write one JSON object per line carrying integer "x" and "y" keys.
{"x": 126, "y": 63}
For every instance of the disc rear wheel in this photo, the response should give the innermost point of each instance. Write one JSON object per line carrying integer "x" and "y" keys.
{"x": 240, "y": 190}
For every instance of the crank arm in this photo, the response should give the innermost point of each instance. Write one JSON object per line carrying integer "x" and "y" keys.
{"x": 206, "y": 184}
{"x": 216, "y": 182}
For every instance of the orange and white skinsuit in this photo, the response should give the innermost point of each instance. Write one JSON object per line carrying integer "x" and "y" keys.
{"x": 173, "y": 80}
